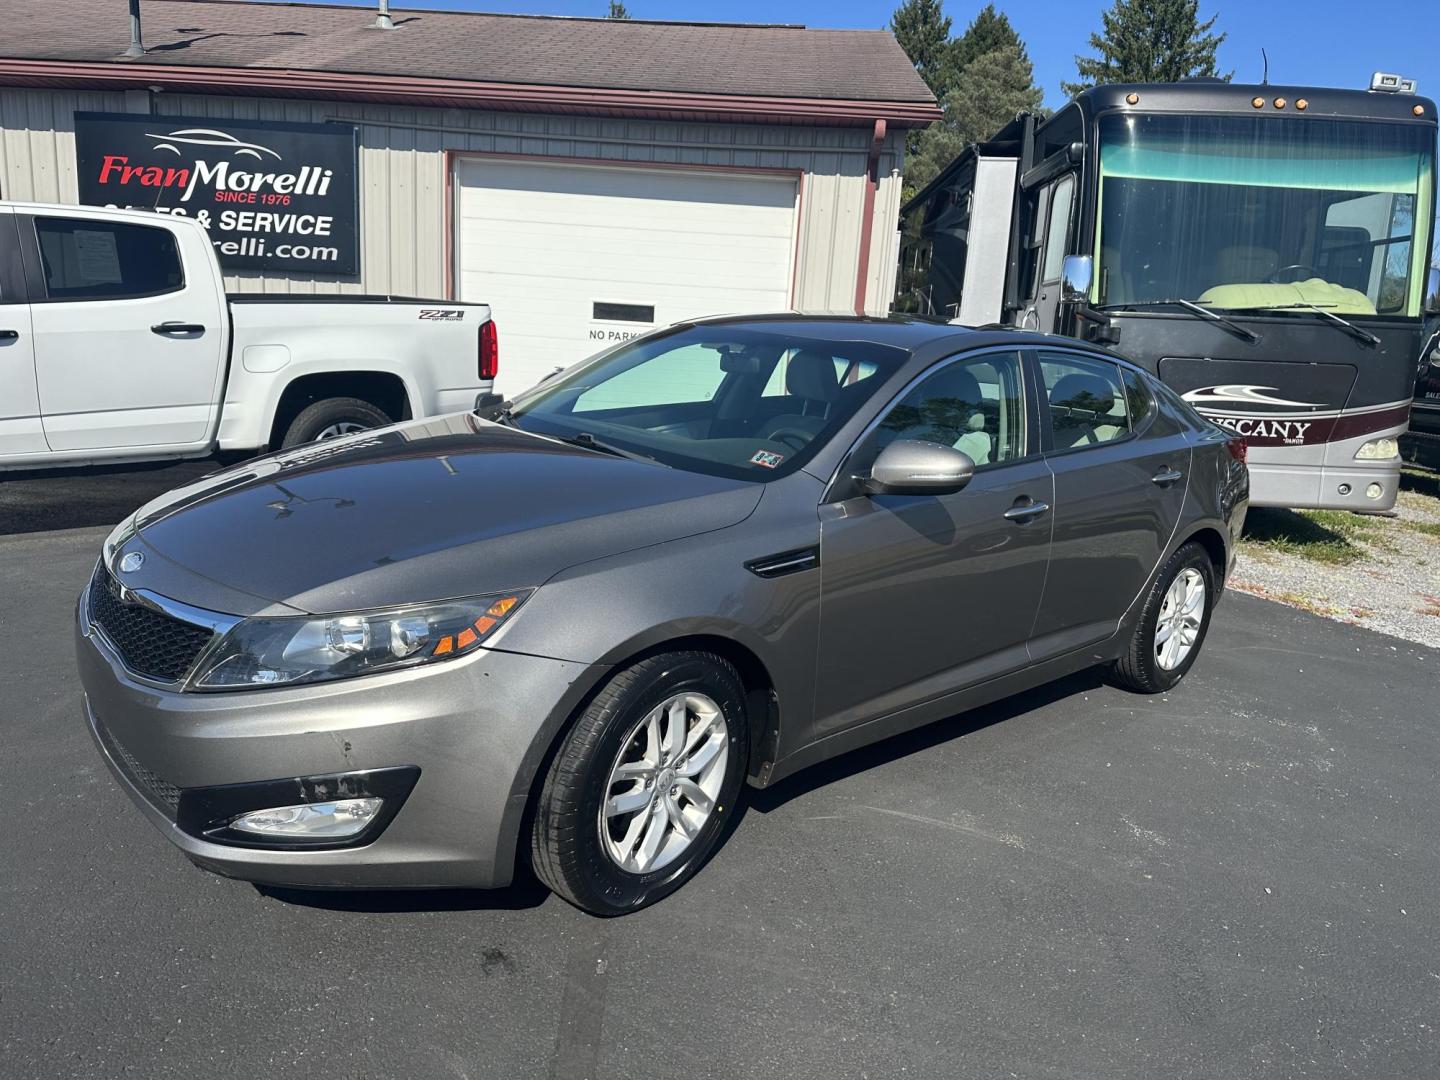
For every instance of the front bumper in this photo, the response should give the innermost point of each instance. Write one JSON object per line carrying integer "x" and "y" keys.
{"x": 477, "y": 729}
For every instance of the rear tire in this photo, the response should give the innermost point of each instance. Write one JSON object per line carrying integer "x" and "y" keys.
{"x": 330, "y": 417}
{"x": 587, "y": 844}
{"x": 1172, "y": 624}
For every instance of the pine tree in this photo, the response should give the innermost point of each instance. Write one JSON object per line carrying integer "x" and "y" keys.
{"x": 991, "y": 91}
{"x": 617, "y": 10}
{"x": 990, "y": 30}
{"x": 1149, "y": 41}
{"x": 923, "y": 30}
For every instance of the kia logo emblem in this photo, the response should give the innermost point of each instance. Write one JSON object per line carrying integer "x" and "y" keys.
{"x": 132, "y": 561}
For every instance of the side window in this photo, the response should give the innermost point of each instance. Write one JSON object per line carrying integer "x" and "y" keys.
{"x": 685, "y": 376}
{"x": 1138, "y": 399}
{"x": 1056, "y": 230}
{"x": 106, "y": 260}
{"x": 974, "y": 405}
{"x": 1088, "y": 402}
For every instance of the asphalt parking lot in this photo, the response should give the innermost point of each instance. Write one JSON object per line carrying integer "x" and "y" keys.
{"x": 1238, "y": 879}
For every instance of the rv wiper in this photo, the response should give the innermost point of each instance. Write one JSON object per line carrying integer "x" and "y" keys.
{"x": 1233, "y": 327}
{"x": 1363, "y": 335}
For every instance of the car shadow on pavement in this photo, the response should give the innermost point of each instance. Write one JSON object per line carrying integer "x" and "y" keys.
{"x": 525, "y": 892}
{"x": 764, "y": 800}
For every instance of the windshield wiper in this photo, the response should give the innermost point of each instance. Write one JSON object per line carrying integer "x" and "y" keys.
{"x": 1233, "y": 327}
{"x": 589, "y": 442}
{"x": 1363, "y": 334}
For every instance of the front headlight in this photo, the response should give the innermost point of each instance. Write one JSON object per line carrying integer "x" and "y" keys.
{"x": 1378, "y": 450}
{"x": 293, "y": 651}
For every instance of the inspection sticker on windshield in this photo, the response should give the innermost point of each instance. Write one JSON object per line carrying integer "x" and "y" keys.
{"x": 766, "y": 460}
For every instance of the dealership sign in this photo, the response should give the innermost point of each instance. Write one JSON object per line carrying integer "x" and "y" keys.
{"x": 276, "y": 197}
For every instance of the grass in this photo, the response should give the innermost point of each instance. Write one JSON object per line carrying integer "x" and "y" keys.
{"x": 1323, "y": 536}
{"x": 1423, "y": 481}
{"x": 1429, "y": 528}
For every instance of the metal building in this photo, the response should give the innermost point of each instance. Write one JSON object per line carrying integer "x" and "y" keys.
{"x": 588, "y": 178}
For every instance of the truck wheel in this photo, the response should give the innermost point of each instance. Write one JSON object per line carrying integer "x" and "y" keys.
{"x": 331, "y": 418}
{"x": 644, "y": 785}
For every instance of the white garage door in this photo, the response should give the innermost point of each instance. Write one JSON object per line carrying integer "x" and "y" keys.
{"x": 572, "y": 258}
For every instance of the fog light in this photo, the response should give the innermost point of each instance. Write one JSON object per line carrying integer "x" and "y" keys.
{"x": 1378, "y": 450}
{"x": 323, "y": 820}
{"x": 1374, "y": 491}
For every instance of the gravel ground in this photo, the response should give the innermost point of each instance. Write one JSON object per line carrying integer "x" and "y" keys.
{"x": 1381, "y": 573}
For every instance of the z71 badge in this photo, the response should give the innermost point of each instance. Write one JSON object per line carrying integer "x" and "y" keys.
{"x": 447, "y": 314}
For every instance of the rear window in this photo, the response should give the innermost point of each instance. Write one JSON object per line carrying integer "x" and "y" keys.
{"x": 106, "y": 260}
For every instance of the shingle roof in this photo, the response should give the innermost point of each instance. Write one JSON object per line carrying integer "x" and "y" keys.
{"x": 684, "y": 58}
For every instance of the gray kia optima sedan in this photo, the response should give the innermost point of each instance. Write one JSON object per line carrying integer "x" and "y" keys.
{"x": 568, "y": 633}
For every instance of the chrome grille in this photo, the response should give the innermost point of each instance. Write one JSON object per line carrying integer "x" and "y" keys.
{"x": 150, "y": 643}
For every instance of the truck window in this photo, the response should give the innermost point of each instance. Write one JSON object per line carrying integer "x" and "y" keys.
{"x": 106, "y": 260}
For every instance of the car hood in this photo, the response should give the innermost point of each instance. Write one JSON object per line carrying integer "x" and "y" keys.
{"x": 428, "y": 510}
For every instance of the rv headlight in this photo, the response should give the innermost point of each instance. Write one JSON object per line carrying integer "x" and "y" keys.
{"x": 1378, "y": 450}
{"x": 293, "y": 651}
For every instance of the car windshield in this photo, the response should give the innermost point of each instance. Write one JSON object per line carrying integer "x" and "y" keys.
{"x": 1252, "y": 213}
{"x": 747, "y": 402}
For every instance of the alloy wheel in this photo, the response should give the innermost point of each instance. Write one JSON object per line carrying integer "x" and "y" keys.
{"x": 342, "y": 427}
{"x": 664, "y": 783}
{"x": 1182, "y": 613}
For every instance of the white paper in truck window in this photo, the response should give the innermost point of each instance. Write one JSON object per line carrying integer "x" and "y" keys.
{"x": 96, "y": 257}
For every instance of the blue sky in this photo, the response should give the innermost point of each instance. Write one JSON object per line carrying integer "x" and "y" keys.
{"x": 1316, "y": 42}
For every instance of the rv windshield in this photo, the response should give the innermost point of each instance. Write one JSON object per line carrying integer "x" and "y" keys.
{"x": 1248, "y": 213}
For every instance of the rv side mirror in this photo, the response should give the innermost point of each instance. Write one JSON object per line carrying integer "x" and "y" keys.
{"x": 1076, "y": 273}
{"x": 1432, "y": 291}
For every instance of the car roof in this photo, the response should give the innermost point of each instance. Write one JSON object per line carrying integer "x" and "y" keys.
{"x": 909, "y": 332}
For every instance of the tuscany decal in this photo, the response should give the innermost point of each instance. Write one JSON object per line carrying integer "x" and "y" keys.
{"x": 274, "y": 197}
{"x": 1249, "y": 395}
{"x": 1262, "y": 429}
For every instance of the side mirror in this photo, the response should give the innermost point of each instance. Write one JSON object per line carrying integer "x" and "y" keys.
{"x": 1076, "y": 274}
{"x": 908, "y": 467}
{"x": 489, "y": 405}
{"x": 1432, "y": 291}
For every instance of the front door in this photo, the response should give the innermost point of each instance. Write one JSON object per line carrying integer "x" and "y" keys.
{"x": 129, "y": 328}
{"x": 20, "y": 429}
{"x": 1121, "y": 469}
{"x": 1048, "y": 247}
{"x": 922, "y": 595}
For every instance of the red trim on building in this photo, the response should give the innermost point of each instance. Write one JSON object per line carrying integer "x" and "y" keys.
{"x": 867, "y": 215}
{"x": 458, "y": 93}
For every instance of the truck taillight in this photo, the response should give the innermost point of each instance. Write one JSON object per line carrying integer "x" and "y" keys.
{"x": 1237, "y": 448}
{"x": 489, "y": 351}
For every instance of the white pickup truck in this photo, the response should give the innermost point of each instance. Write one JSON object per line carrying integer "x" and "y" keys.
{"x": 118, "y": 343}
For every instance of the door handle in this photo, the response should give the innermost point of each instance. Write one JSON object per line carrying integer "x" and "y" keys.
{"x": 167, "y": 329}
{"x": 1026, "y": 511}
{"x": 9, "y": 335}
{"x": 1166, "y": 476}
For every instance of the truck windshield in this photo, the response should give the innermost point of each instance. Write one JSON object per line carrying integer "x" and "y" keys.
{"x": 1249, "y": 213}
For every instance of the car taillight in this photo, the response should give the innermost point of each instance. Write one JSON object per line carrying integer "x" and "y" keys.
{"x": 489, "y": 351}
{"x": 1238, "y": 450}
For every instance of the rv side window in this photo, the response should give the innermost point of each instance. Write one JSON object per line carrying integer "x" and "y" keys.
{"x": 1056, "y": 232}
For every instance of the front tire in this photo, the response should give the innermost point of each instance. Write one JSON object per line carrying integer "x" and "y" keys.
{"x": 644, "y": 784}
{"x": 1172, "y": 624}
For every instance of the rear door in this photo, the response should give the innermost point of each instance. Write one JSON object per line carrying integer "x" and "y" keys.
{"x": 129, "y": 327}
{"x": 20, "y": 428}
{"x": 1121, "y": 468}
